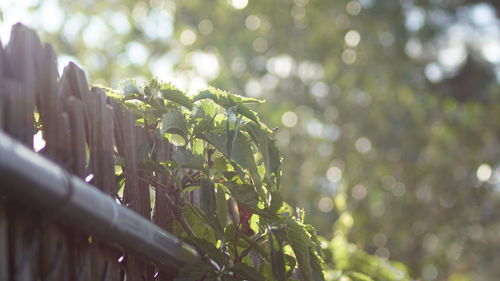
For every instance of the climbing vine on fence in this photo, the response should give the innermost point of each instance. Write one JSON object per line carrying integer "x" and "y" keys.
{"x": 224, "y": 191}
{"x": 225, "y": 175}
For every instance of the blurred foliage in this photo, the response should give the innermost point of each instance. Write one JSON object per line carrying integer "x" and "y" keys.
{"x": 394, "y": 104}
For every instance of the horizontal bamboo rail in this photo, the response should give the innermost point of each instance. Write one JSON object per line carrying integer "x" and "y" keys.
{"x": 41, "y": 185}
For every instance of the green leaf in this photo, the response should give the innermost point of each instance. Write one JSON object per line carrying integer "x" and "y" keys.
{"x": 194, "y": 271}
{"x": 248, "y": 113}
{"x": 231, "y": 134}
{"x": 186, "y": 159}
{"x": 265, "y": 142}
{"x": 276, "y": 201}
{"x": 277, "y": 255}
{"x": 154, "y": 84}
{"x": 206, "y": 247}
{"x": 175, "y": 95}
{"x": 247, "y": 272}
{"x": 221, "y": 165}
{"x": 309, "y": 262}
{"x": 205, "y": 110}
{"x": 174, "y": 122}
{"x": 220, "y": 97}
{"x": 221, "y": 205}
{"x": 241, "y": 152}
{"x": 244, "y": 194}
{"x": 256, "y": 246}
{"x": 210, "y": 93}
{"x": 191, "y": 188}
{"x": 275, "y": 161}
{"x": 130, "y": 87}
{"x": 199, "y": 223}
{"x": 111, "y": 93}
{"x": 228, "y": 100}
{"x": 260, "y": 137}
{"x": 291, "y": 262}
{"x": 208, "y": 202}
{"x": 230, "y": 232}
{"x": 266, "y": 270}
{"x": 203, "y": 115}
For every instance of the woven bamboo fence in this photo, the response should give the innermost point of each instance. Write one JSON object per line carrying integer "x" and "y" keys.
{"x": 85, "y": 133}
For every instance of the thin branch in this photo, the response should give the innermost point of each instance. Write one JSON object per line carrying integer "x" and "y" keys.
{"x": 155, "y": 184}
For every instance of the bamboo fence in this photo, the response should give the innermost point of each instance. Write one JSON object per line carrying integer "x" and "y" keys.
{"x": 53, "y": 224}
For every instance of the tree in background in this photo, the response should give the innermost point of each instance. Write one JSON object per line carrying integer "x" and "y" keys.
{"x": 393, "y": 103}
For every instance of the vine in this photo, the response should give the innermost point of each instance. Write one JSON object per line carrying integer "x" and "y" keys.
{"x": 225, "y": 195}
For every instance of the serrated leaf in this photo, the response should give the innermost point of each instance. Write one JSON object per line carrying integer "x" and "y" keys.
{"x": 174, "y": 122}
{"x": 220, "y": 97}
{"x": 203, "y": 115}
{"x": 241, "y": 152}
{"x": 228, "y": 100}
{"x": 205, "y": 110}
{"x": 309, "y": 262}
{"x": 248, "y": 113}
{"x": 210, "y": 93}
{"x": 202, "y": 126}
{"x": 175, "y": 95}
{"x": 247, "y": 272}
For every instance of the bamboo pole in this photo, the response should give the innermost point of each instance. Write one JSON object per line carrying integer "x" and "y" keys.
{"x": 34, "y": 182}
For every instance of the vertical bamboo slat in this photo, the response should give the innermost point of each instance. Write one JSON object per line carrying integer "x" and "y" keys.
{"x": 143, "y": 188}
{"x": 2, "y": 89}
{"x": 4, "y": 243}
{"x": 77, "y": 124}
{"x": 163, "y": 215}
{"x": 101, "y": 141}
{"x": 20, "y": 62}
